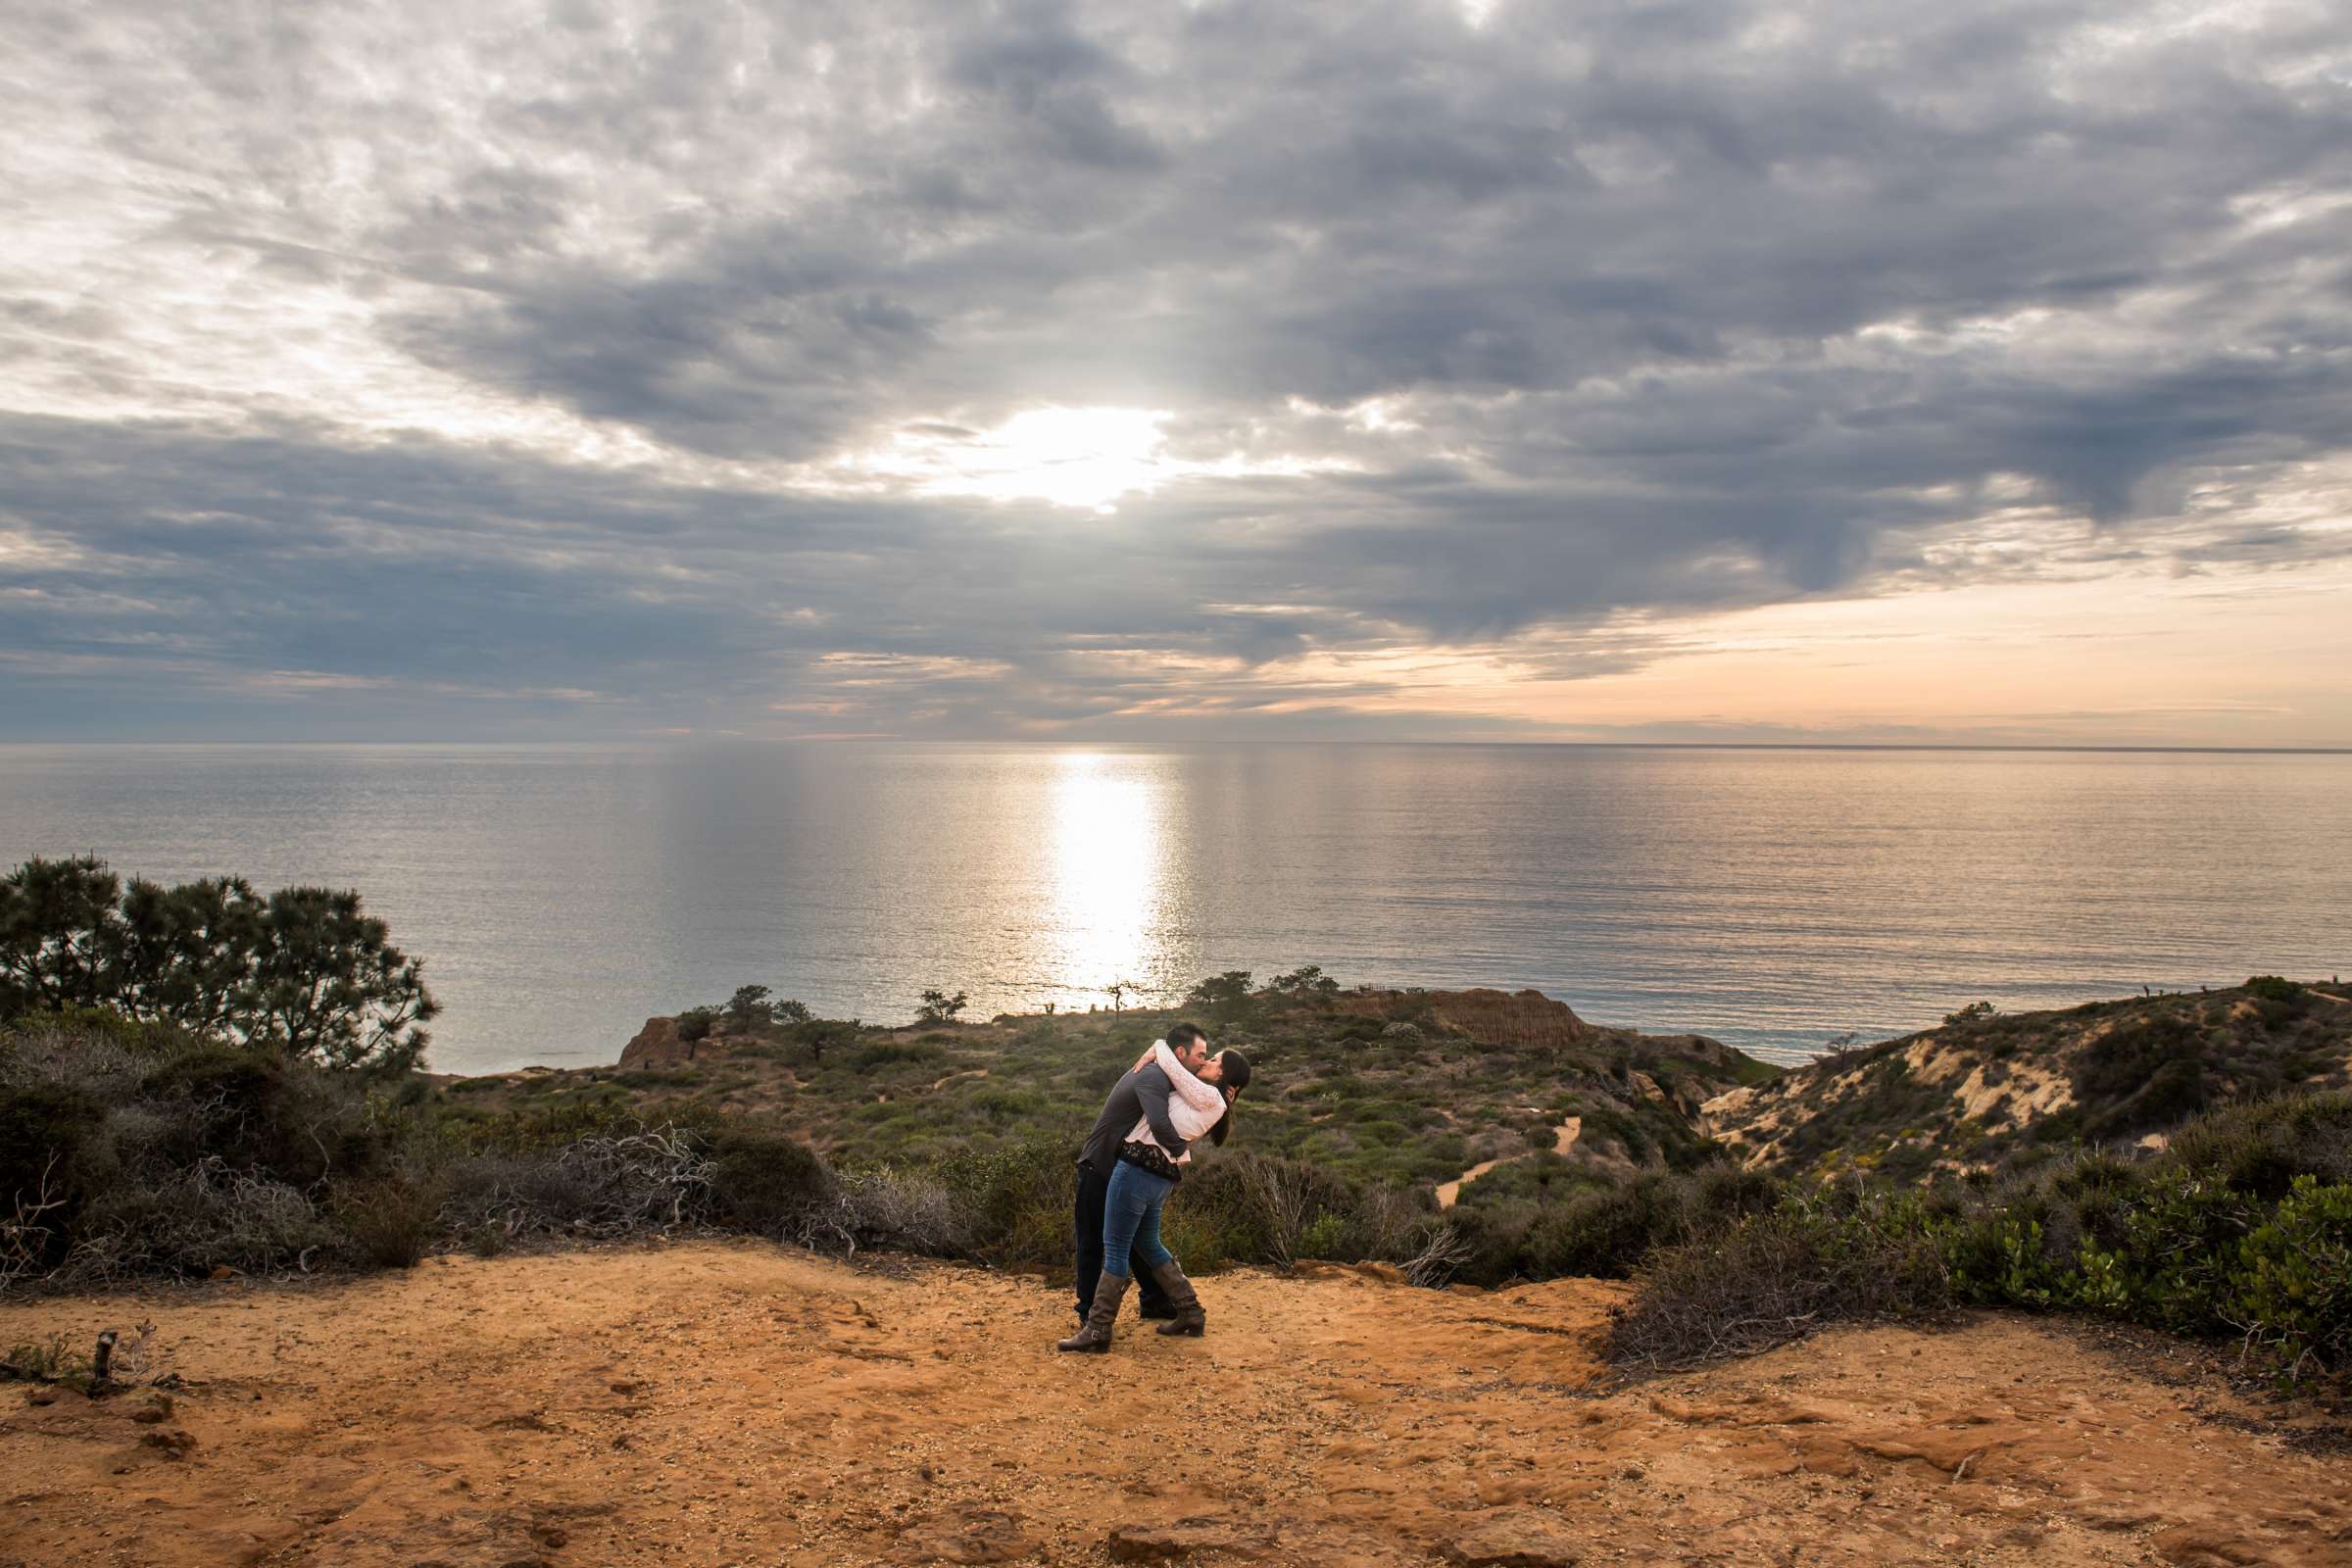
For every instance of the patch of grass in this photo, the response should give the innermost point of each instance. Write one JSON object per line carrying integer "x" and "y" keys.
{"x": 50, "y": 1361}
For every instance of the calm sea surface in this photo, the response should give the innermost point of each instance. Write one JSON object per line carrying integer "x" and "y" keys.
{"x": 1768, "y": 897}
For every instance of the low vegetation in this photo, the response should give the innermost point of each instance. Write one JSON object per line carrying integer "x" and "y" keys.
{"x": 2241, "y": 1230}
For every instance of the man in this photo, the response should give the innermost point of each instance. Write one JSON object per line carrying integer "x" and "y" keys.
{"x": 1142, "y": 1094}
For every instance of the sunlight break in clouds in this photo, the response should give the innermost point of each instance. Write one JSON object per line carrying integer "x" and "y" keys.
{"x": 1084, "y": 457}
{"x": 1091, "y": 367}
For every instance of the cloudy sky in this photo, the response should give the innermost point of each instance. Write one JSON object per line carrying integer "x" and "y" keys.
{"x": 1160, "y": 370}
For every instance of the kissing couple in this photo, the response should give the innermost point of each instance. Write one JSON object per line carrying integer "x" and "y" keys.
{"x": 1133, "y": 1160}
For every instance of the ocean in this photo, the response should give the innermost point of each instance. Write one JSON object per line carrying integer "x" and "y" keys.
{"x": 560, "y": 894}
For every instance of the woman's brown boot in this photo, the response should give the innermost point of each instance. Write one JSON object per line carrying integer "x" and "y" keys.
{"x": 1188, "y": 1317}
{"x": 1109, "y": 1291}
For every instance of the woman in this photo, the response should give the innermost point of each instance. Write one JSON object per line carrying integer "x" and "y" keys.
{"x": 1139, "y": 1187}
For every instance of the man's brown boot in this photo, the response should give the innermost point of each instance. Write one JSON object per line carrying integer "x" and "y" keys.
{"x": 1109, "y": 1291}
{"x": 1188, "y": 1317}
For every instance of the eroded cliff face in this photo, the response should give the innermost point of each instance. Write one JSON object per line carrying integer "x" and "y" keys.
{"x": 657, "y": 1045}
{"x": 1980, "y": 1089}
{"x": 711, "y": 1403}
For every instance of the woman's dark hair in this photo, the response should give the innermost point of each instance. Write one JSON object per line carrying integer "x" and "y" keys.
{"x": 1233, "y": 1077}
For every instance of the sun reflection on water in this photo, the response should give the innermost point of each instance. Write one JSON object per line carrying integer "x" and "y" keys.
{"x": 1108, "y": 832}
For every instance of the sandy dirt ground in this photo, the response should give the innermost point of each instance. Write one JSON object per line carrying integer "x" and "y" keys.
{"x": 722, "y": 1403}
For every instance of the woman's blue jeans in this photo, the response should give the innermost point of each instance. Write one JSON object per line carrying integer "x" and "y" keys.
{"x": 1131, "y": 1208}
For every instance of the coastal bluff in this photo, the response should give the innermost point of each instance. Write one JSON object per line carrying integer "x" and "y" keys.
{"x": 657, "y": 1045}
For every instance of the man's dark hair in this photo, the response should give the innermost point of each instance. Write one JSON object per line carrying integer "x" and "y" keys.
{"x": 1184, "y": 1034}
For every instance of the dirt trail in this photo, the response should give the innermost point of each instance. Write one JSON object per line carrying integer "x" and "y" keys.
{"x": 1562, "y": 1143}
{"x": 732, "y": 1404}
{"x": 1450, "y": 1192}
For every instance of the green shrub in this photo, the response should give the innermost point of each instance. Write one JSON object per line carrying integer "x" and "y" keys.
{"x": 766, "y": 1182}
{"x": 44, "y": 1128}
{"x": 2258, "y": 1149}
{"x": 1324, "y": 1236}
{"x": 1015, "y": 1199}
{"x": 391, "y": 1223}
{"x": 893, "y": 1053}
{"x": 2292, "y": 1285}
{"x": 2145, "y": 1075}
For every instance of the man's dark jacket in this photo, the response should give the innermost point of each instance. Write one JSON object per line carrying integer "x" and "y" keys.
{"x": 1139, "y": 1097}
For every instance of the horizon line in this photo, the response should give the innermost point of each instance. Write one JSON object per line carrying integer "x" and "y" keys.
{"x": 677, "y": 741}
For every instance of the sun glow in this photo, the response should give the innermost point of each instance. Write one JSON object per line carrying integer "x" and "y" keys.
{"x": 1087, "y": 459}
{"x": 1080, "y": 457}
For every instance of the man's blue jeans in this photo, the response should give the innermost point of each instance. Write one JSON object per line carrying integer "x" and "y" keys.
{"x": 1131, "y": 1220}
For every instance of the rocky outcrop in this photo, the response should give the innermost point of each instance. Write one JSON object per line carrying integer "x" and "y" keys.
{"x": 657, "y": 1046}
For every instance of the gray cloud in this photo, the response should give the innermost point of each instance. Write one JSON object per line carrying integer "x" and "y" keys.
{"x": 1666, "y": 308}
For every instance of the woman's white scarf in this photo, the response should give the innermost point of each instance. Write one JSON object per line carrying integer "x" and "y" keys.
{"x": 1194, "y": 1108}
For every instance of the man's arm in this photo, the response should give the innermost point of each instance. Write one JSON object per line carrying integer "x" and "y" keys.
{"x": 1151, "y": 1089}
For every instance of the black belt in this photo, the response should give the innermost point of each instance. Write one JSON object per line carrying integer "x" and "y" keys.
{"x": 1154, "y": 1158}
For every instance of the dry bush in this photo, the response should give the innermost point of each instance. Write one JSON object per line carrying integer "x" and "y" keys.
{"x": 28, "y": 1231}
{"x": 1774, "y": 1278}
{"x": 1440, "y": 1253}
{"x": 892, "y": 1208}
{"x": 192, "y": 1221}
{"x": 1285, "y": 1198}
{"x": 603, "y": 1185}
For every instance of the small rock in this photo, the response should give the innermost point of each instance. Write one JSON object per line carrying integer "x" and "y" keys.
{"x": 172, "y": 1444}
{"x": 1186, "y": 1537}
{"x": 155, "y": 1411}
{"x": 1515, "y": 1538}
